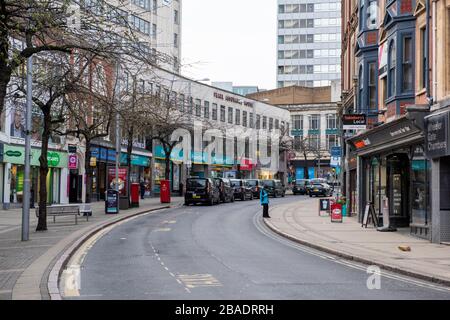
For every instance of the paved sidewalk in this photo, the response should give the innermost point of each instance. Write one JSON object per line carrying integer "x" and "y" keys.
{"x": 24, "y": 266}
{"x": 300, "y": 222}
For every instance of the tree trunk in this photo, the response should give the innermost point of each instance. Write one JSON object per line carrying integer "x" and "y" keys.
{"x": 306, "y": 166}
{"x": 43, "y": 171}
{"x": 88, "y": 170}
{"x": 129, "y": 151}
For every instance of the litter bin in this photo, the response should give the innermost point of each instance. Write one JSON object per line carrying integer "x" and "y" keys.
{"x": 135, "y": 189}
{"x": 165, "y": 191}
{"x": 111, "y": 201}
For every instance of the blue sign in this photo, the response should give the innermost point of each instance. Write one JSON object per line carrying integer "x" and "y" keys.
{"x": 311, "y": 171}
{"x": 299, "y": 173}
{"x": 336, "y": 152}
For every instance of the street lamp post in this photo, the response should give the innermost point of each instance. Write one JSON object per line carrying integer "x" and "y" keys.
{"x": 26, "y": 182}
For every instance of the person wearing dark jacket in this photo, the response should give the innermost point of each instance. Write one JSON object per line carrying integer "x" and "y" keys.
{"x": 264, "y": 199}
{"x": 143, "y": 187}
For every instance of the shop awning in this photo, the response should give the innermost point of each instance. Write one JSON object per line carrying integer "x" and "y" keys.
{"x": 389, "y": 136}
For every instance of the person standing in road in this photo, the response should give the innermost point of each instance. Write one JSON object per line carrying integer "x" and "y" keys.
{"x": 264, "y": 199}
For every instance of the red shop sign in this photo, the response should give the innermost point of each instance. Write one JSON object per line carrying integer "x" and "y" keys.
{"x": 336, "y": 212}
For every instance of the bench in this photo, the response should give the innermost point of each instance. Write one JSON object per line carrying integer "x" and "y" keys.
{"x": 86, "y": 210}
{"x": 62, "y": 210}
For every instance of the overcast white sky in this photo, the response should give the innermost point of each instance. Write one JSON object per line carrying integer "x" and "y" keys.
{"x": 230, "y": 40}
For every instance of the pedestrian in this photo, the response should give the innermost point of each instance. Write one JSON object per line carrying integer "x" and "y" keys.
{"x": 264, "y": 199}
{"x": 143, "y": 187}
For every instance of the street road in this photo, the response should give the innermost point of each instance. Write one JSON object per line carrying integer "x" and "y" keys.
{"x": 225, "y": 252}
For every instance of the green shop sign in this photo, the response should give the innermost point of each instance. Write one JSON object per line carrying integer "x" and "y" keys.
{"x": 16, "y": 155}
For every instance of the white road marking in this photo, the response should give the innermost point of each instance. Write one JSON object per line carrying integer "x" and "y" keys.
{"x": 266, "y": 231}
{"x": 199, "y": 280}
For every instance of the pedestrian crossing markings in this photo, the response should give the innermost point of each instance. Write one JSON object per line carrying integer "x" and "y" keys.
{"x": 199, "y": 280}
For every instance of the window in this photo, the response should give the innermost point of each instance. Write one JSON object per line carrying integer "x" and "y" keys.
{"x": 244, "y": 118}
{"x": 332, "y": 141}
{"x": 175, "y": 40}
{"x": 373, "y": 86}
{"x": 238, "y": 117}
{"x": 314, "y": 122}
{"x": 407, "y": 83}
{"x": 222, "y": 113}
{"x": 155, "y": 6}
{"x": 331, "y": 121}
{"x": 181, "y": 102}
{"x": 264, "y": 122}
{"x": 214, "y": 111}
{"x": 142, "y": 3}
{"x": 206, "y": 110}
{"x": 372, "y": 15}
{"x": 176, "y": 18}
{"x": 423, "y": 59}
{"x": 190, "y": 105}
{"x": 198, "y": 108}
{"x": 154, "y": 31}
{"x": 139, "y": 24}
{"x": 314, "y": 141}
{"x": 277, "y": 124}
{"x": 230, "y": 115}
{"x": 252, "y": 119}
{"x": 392, "y": 64}
{"x": 297, "y": 122}
{"x": 258, "y": 121}
{"x": 270, "y": 124}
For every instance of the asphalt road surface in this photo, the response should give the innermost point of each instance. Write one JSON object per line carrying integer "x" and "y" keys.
{"x": 225, "y": 252}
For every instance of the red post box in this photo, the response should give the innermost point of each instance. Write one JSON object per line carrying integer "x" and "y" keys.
{"x": 165, "y": 191}
{"x": 134, "y": 194}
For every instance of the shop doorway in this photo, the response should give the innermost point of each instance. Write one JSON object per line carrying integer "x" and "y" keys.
{"x": 75, "y": 187}
{"x": 398, "y": 167}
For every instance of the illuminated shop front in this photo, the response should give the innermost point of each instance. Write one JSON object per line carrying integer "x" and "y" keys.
{"x": 13, "y": 158}
{"x": 394, "y": 175}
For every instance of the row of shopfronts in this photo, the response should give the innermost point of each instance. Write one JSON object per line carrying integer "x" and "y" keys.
{"x": 403, "y": 169}
{"x": 12, "y": 159}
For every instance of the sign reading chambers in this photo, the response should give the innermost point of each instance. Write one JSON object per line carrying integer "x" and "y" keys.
{"x": 437, "y": 136}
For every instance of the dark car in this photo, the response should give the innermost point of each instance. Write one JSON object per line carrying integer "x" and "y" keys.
{"x": 201, "y": 190}
{"x": 320, "y": 189}
{"x": 255, "y": 185}
{"x": 226, "y": 191}
{"x": 274, "y": 188}
{"x": 301, "y": 186}
{"x": 241, "y": 189}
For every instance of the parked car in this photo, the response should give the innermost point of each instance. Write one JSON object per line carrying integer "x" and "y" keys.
{"x": 226, "y": 191}
{"x": 201, "y": 190}
{"x": 301, "y": 186}
{"x": 321, "y": 189}
{"x": 274, "y": 188}
{"x": 255, "y": 185}
{"x": 241, "y": 189}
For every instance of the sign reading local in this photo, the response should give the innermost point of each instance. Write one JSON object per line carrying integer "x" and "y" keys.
{"x": 354, "y": 121}
{"x": 437, "y": 136}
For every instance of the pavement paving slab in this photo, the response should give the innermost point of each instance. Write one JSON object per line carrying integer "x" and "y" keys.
{"x": 23, "y": 265}
{"x": 299, "y": 221}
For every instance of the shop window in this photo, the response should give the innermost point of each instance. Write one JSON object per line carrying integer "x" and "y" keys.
{"x": 420, "y": 187}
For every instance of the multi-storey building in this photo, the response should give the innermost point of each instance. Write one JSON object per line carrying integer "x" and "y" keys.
{"x": 314, "y": 127}
{"x": 402, "y": 159}
{"x": 309, "y": 42}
